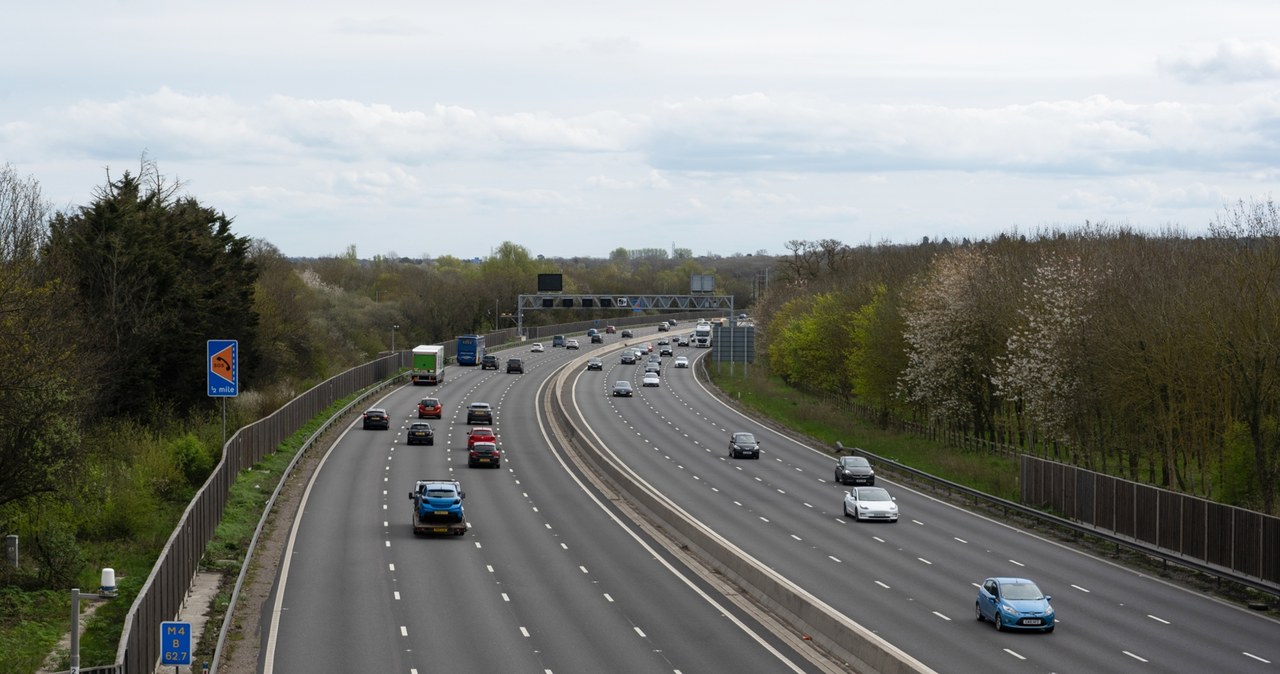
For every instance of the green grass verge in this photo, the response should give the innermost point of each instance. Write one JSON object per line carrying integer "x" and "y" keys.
{"x": 32, "y": 622}
{"x": 827, "y": 422}
{"x": 30, "y": 625}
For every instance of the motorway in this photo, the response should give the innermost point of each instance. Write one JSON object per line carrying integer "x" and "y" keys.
{"x": 550, "y": 577}
{"x": 912, "y": 582}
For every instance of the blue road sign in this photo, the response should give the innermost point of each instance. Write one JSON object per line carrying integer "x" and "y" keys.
{"x": 224, "y": 368}
{"x": 175, "y": 643}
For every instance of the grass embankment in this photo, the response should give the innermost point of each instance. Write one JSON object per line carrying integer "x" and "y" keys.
{"x": 827, "y": 422}
{"x": 32, "y": 622}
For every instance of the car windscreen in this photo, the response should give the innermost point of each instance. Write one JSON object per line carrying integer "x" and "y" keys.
{"x": 744, "y": 438}
{"x": 1021, "y": 591}
{"x": 855, "y": 462}
{"x": 873, "y": 494}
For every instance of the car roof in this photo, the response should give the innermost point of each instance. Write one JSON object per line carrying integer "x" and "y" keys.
{"x": 1010, "y": 580}
{"x": 376, "y": 409}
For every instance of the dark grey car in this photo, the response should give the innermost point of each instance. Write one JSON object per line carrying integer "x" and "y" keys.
{"x": 855, "y": 470}
{"x": 744, "y": 445}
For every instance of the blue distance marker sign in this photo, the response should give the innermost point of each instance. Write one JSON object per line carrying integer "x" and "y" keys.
{"x": 175, "y": 643}
{"x": 224, "y": 368}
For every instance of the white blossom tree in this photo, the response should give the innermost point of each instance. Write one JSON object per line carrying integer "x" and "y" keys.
{"x": 1045, "y": 364}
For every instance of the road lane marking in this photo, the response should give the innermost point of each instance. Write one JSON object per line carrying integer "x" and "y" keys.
{"x": 1251, "y": 655}
{"x": 1159, "y": 620}
{"x": 882, "y": 585}
{"x": 1135, "y": 657}
{"x": 1014, "y": 654}
{"x": 961, "y": 540}
{"x": 1016, "y": 562}
{"x": 404, "y": 631}
{"x": 925, "y": 561}
{"x": 524, "y": 631}
{"x": 796, "y": 537}
{"x": 640, "y": 632}
{"x": 608, "y": 598}
{"x": 835, "y": 559}
{"x": 505, "y": 597}
{"x": 942, "y": 616}
{"x": 1080, "y": 588}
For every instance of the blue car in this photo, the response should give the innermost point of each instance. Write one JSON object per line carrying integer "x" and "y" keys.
{"x": 1014, "y": 604}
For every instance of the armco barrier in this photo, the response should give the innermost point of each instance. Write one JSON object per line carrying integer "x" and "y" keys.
{"x": 830, "y": 629}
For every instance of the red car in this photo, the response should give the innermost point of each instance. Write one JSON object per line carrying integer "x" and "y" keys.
{"x": 430, "y": 408}
{"x": 609, "y": 329}
{"x": 480, "y": 434}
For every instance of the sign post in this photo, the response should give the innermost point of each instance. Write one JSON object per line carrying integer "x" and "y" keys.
{"x": 223, "y": 359}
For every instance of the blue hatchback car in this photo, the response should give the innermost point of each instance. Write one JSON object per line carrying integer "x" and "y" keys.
{"x": 1014, "y": 604}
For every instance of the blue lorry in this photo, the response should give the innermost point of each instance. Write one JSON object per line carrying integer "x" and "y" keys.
{"x": 470, "y": 349}
{"x": 437, "y": 507}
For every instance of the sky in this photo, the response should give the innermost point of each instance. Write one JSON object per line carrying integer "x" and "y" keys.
{"x": 422, "y": 128}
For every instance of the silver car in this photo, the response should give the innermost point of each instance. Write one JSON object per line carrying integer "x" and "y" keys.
{"x": 870, "y": 503}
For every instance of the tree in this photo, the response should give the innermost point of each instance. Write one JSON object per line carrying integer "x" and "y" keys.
{"x": 38, "y": 418}
{"x": 1249, "y": 321}
{"x": 155, "y": 276}
{"x": 953, "y": 336}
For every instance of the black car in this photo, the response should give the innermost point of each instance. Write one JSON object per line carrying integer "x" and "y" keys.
{"x": 515, "y": 366}
{"x": 626, "y": 334}
{"x": 595, "y": 364}
{"x": 484, "y": 454}
{"x": 420, "y": 433}
{"x": 376, "y": 417}
{"x": 628, "y": 357}
{"x": 489, "y": 362}
{"x": 683, "y": 341}
{"x": 622, "y": 387}
{"x": 855, "y": 470}
{"x": 666, "y": 351}
{"x": 744, "y": 445}
{"x": 597, "y": 339}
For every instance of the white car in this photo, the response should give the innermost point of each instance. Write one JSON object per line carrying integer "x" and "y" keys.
{"x": 682, "y": 361}
{"x": 870, "y": 503}
{"x": 571, "y": 344}
{"x": 537, "y": 347}
{"x": 650, "y": 379}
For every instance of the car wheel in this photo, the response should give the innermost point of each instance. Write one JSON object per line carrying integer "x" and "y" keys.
{"x": 977, "y": 611}
{"x": 857, "y": 516}
{"x": 999, "y": 621}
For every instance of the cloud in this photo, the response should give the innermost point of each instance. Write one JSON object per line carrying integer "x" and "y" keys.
{"x": 701, "y": 139}
{"x": 1096, "y": 135}
{"x": 1229, "y": 62}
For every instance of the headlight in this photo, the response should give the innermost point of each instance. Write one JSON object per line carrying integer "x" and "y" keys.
{"x": 1008, "y": 609}
{"x": 863, "y": 506}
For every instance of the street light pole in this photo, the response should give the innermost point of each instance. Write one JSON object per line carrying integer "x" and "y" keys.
{"x": 393, "y": 337}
